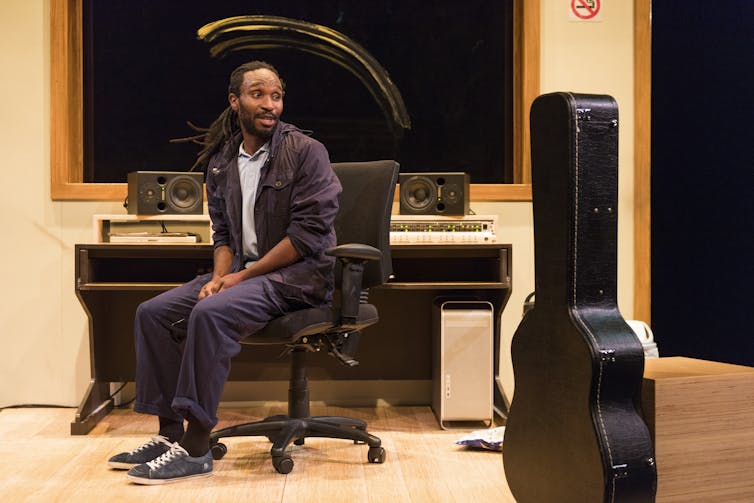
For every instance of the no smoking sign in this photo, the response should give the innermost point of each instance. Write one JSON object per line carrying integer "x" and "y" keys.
{"x": 585, "y": 10}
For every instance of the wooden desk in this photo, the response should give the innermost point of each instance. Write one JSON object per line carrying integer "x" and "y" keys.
{"x": 701, "y": 417}
{"x": 112, "y": 280}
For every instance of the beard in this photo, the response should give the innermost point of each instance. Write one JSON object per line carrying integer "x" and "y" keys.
{"x": 247, "y": 123}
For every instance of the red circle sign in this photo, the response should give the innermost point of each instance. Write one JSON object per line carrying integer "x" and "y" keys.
{"x": 585, "y": 9}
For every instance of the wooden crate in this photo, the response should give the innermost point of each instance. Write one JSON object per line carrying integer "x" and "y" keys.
{"x": 701, "y": 416}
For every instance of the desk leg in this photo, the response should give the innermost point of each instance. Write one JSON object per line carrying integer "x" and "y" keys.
{"x": 95, "y": 405}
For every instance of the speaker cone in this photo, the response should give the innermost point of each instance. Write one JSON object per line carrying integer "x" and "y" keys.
{"x": 183, "y": 193}
{"x": 418, "y": 193}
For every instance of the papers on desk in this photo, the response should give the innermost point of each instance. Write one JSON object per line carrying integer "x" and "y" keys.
{"x": 154, "y": 237}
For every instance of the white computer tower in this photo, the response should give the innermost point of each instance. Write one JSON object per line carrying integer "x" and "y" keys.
{"x": 462, "y": 370}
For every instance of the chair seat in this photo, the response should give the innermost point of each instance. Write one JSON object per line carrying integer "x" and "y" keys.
{"x": 312, "y": 321}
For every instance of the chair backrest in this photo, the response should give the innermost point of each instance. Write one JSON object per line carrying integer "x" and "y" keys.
{"x": 364, "y": 216}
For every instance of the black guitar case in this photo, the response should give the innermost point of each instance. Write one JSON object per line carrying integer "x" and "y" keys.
{"x": 574, "y": 431}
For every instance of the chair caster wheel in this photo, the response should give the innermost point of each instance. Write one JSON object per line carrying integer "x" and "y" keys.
{"x": 376, "y": 455}
{"x": 218, "y": 451}
{"x": 283, "y": 464}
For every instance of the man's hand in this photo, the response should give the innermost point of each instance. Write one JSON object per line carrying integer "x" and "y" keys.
{"x": 216, "y": 285}
{"x": 230, "y": 280}
{"x": 281, "y": 255}
{"x": 223, "y": 257}
{"x": 211, "y": 287}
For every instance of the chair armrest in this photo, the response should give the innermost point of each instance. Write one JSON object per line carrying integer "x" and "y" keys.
{"x": 352, "y": 257}
{"x": 354, "y": 251}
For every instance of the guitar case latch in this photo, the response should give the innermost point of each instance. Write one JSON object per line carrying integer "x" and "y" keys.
{"x": 620, "y": 471}
{"x": 607, "y": 355}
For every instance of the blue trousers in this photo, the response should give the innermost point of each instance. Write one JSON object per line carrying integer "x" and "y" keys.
{"x": 184, "y": 345}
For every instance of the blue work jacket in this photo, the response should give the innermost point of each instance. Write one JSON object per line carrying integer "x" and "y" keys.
{"x": 297, "y": 197}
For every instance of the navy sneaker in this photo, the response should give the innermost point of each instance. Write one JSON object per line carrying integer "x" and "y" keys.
{"x": 155, "y": 448}
{"x": 174, "y": 465}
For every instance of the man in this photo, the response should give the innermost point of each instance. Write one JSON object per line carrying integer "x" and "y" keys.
{"x": 272, "y": 199}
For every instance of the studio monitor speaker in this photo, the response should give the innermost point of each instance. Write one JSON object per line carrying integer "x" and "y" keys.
{"x": 434, "y": 193}
{"x": 165, "y": 192}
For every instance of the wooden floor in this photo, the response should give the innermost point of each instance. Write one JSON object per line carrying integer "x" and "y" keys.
{"x": 41, "y": 461}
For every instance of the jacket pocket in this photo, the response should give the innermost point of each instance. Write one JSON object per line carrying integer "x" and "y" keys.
{"x": 273, "y": 211}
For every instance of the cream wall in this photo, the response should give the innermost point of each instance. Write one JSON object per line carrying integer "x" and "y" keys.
{"x": 43, "y": 329}
{"x": 597, "y": 57}
{"x": 588, "y": 57}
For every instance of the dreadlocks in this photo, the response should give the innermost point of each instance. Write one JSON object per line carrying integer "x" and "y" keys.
{"x": 226, "y": 125}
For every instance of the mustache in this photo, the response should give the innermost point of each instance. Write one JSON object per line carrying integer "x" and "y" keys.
{"x": 266, "y": 115}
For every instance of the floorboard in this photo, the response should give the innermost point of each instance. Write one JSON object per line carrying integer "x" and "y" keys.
{"x": 42, "y": 462}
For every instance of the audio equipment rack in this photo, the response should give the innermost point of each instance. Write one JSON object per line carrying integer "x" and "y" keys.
{"x": 434, "y": 229}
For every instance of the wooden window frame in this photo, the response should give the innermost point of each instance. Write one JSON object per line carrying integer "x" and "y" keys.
{"x": 66, "y": 108}
{"x": 642, "y": 160}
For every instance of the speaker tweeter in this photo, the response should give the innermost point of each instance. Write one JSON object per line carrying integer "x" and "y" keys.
{"x": 434, "y": 193}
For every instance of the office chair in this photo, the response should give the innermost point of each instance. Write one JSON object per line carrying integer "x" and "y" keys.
{"x": 363, "y": 261}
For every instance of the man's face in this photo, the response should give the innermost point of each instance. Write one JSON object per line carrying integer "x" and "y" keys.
{"x": 260, "y": 102}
